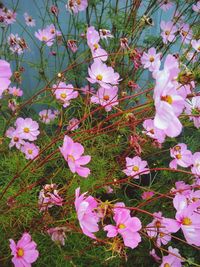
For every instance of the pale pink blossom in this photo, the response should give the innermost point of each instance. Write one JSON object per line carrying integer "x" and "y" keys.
{"x": 134, "y": 166}
{"x": 49, "y": 196}
{"x": 151, "y": 60}
{"x": 46, "y": 35}
{"x": 87, "y": 216}
{"x": 106, "y": 97}
{"x": 24, "y": 252}
{"x": 72, "y": 153}
{"x": 64, "y": 93}
{"x": 17, "y": 44}
{"x": 15, "y": 138}
{"x": 9, "y": 16}
{"x": 58, "y": 234}
{"x": 27, "y": 128}
{"x": 168, "y": 31}
{"x": 30, "y": 150}
{"x": 186, "y": 33}
{"x": 76, "y": 5}
{"x": 182, "y": 156}
{"x": 196, "y": 45}
{"x": 47, "y": 116}
{"x": 73, "y": 124}
{"x": 29, "y": 20}
{"x": 147, "y": 195}
{"x": 102, "y": 74}
{"x": 193, "y": 108}
{"x": 153, "y": 132}
{"x": 87, "y": 90}
{"x": 181, "y": 188}
{"x": 196, "y": 163}
{"x": 15, "y": 91}
{"x": 173, "y": 259}
{"x": 196, "y": 7}
{"x": 166, "y": 5}
{"x": 126, "y": 226}
{"x": 5, "y": 75}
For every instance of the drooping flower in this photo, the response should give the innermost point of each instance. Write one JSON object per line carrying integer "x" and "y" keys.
{"x": 29, "y": 20}
{"x": 30, "y": 150}
{"x": 5, "y": 75}
{"x": 134, "y": 166}
{"x": 64, "y": 93}
{"x": 73, "y": 124}
{"x": 27, "y": 128}
{"x": 49, "y": 196}
{"x": 168, "y": 31}
{"x": 193, "y": 108}
{"x": 182, "y": 156}
{"x": 87, "y": 216}
{"x": 58, "y": 234}
{"x": 173, "y": 259}
{"x": 17, "y": 44}
{"x": 196, "y": 45}
{"x": 76, "y": 5}
{"x": 151, "y": 60}
{"x": 72, "y": 153}
{"x": 24, "y": 252}
{"x": 126, "y": 226}
{"x": 102, "y": 74}
{"x": 47, "y": 115}
{"x": 106, "y": 97}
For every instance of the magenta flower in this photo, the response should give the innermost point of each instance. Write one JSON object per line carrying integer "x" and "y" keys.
{"x": 72, "y": 153}
{"x": 30, "y": 150}
{"x": 153, "y": 132}
{"x": 15, "y": 138}
{"x": 182, "y": 156}
{"x": 85, "y": 209}
{"x": 186, "y": 33}
{"x": 49, "y": 197}
{"x": 134, "y": 166}
{"x": 64, "y": 93}
{"x": 102, "y": 74}
{"x": 193, "y": 108}
{"x": 168, "y": 31}
{"x": 151, "y": 60}
{"x": 196, "y": 7}
{"x": 126, "y": 226}
{"x": 29, "y": 20}
{"x": 196, "y": 45}
{"x": 106, "y": 97}
{"x": 174, "y": 259}
{"x": 77, "y": 5}
{"x": 93, "y": 39}
{"x": 27, "y": 128}
{"x": 196, "y": 163}
{"x": 73, "y": 124}
{"x": 24, "y": 252}
{"x": 58, "y": 234}
{"x": 147, "y": 195}
{"x": 47, "y": 116}
{"x": 15, "y": 91}
{"x": 5, "y": 75}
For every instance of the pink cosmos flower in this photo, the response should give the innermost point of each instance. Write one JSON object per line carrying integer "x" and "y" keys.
{"x": 193, "y": 108}
{"x": 182, "y": 156}
{"x": 147, "y": 195}
{"x": 29, "y": 20}
{"x": 186, "y": 33}
{"x": 151, "y": 60}
{"x": 106, "y": 97}
{"x": 154, "y": 255}
{"x": 15, "y": 91}
{"x": 73, "y": 124}
{"x": 196, "y": 163}
{"x": 134, "y": 166}
{"x": 181, "y": 188}
{"x": 102, "y": 74}
{"x": 174, "y": 259}
{"x": 105, "y": 34}
{"x": 169, "y": 31}
{"x": 72, "y": 153}
{"x": 153, "y": 132}
{"x": 30, "y": 150}
{"x": 196, "y": 44}
{"x": 77, "y": 5}
{"x": 85, "y": 209}
{"x": 166, "y": 5}
{"x": 64, "y": 93}
{"x": 196, "y": 7}
{"x": 47, "y": 115}
{"x": 27, "y": 128}
{"x": 15, "y": 138}
{"x": 9, "y": 16}
{"x": 87, "y": 90}
{"x": 49, "y": 197}
{"x": 24, "y": 252}
{"x": 5, "y": 75}
{"x": 58, "y": 234}
{"x": 126, "y": 226}
{"x": 46, "y": 35}
{"x": 93, "y": 39}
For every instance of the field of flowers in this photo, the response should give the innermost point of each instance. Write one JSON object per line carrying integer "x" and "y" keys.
{"x": 99, "y": 133}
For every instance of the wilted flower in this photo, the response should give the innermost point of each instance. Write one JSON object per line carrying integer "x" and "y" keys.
{"x": 73, "y": 124}
{"x": 72, "y": 44}
{"x": 77, "y": 5}
{"x": 58, "y": 234}
{"x": 17, "y": 44}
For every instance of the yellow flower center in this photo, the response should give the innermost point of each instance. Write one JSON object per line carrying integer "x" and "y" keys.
{"x": 167, "y": 33}
{"x": 184, "y": 33}
{"x": 44, "y": 38}
{"x": 71, "y": 157}
{"x": 186, "y": 221}
{"x": 26, "y": 130}
{"x": 106, "y": 97}
{"x": 78, "y": 2}
{"x": 63, "y": 95}
{"x": 121, "y": 226}
{"x": 177, "y": 148}
{"x": 135, "y": 168}
{"x": 167, "y": 99}
{"x": 161, "y": 234}
{"x": 151, "y": 59}
{"x": 99, "y": 77}
{"x": 178, "y": 156}
{"x": 96, "y": 46}
{"x": 30, "y": 151}
{"x": 20, "y": 252}
{"x": 167, "y": 265}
